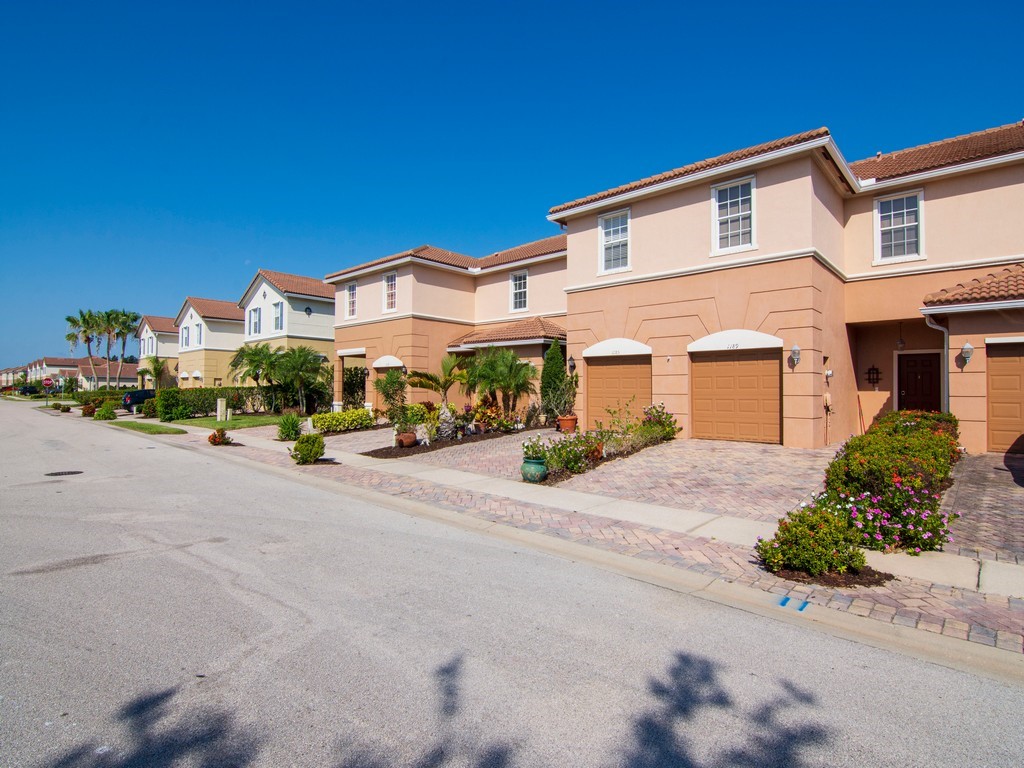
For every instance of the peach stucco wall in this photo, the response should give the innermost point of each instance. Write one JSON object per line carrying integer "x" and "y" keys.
{"x": 214, "y": 365}
{"x": 545, "y": 292}
{"x": 442, "y": 293}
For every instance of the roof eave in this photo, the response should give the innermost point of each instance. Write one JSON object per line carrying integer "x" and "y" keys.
{"x": 976, "y": 306}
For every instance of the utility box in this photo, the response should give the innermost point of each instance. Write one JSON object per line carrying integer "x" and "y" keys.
{"x": 222, "y": 409}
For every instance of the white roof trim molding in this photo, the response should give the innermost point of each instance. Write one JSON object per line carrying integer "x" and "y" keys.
{"x": 387, "y": 361}
{"x": 737, "y": 338}
{"x": 616, "y": 348}
{"x": 353, "y": 352}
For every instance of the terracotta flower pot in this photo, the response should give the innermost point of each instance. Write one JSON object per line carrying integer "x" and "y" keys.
{"x": 567, "y": 423}
{"x": 406, "y": 439}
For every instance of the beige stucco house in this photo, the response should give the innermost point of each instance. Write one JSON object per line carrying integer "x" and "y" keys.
{"x": 158, "y": 337}
{"x": 209, "y": 333}
{"x": 410, "y": 309}
{"x": 782, "y": 294}
{"x": 288, "y": 311}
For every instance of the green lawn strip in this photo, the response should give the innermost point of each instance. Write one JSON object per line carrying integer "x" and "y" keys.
{"x": 150, "y": 428}
{"x": 238, "y": 421}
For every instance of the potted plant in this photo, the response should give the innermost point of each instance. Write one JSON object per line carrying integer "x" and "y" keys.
{"x": 534, "y": 468}
{"x": 563, "y": 401}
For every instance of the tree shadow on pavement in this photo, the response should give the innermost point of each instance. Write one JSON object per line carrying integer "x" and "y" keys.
{"x": 205, "y": 737}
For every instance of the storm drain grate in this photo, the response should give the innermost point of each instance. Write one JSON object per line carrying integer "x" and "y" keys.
{"x": 64, "y": 472}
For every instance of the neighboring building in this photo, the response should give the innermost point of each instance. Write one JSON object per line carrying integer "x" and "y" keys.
{"x": 288, "y": 311}
{"x": 781, "y": 294}
{"x": 158, "y": 337}
{"x": 51, "y": 367}
{"x": 124, "y": 376}
{"x": 10, "y": 376}
{"x": 412, "y": 308}
{"x": 209, "y": 333}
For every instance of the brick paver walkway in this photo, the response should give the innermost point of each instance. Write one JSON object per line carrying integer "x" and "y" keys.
{"x": 987, "y": 619}
{"x": 989, "y": 497}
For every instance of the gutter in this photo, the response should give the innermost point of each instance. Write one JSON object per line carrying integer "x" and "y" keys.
{"x": 930, "y": 322}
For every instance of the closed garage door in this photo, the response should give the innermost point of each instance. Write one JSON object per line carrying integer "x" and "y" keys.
{"x": 614, "y": 382}
{"x": 737, "y": 395}
{"x": 1006, "y": 397}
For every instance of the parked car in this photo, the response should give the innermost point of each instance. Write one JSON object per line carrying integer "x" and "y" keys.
{"x": 29, "y": 389}
{"x": 136, "y": 398}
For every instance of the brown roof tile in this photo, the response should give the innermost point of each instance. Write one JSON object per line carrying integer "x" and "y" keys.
{"x": 426, "y": 252}
{"x": 521, "y": 330}
{"x": 940, "y": 154}
{"x": 1004, "y": 285}
{"x": 303, "y": 286}
{"x": 59, "y": 361}
{"x": 532, "y": 250}
{"x": 692, "y": 168}
{"x": 159, "y": 324}
{"x": 215, "y": 309}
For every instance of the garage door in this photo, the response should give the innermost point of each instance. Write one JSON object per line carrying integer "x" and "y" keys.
{"x": 737, "y": 395}
{"x": 612, "y": 382}
{"x": 1006, "y": 397}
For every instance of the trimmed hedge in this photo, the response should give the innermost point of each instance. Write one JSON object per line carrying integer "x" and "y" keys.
{"x": 308, "y": 449}
{"x": 814, "y": 539}
{"x": 343, "y": 421}
{"x": 100, "y": 396}
{"x": 177, "y": 404}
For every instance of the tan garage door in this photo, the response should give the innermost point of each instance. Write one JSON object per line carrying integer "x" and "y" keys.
{"x": 737, "y": 395}
{"x": 613, "y": 382}
{"x": 1006, "y": 397}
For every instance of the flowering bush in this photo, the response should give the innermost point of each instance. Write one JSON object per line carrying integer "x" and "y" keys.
{"x": 574, "y": 453}
{"x": 89, "y": 410}
{"x": 905, "y": 518}
{"x": 814, "y": 539}
{"x": 219, "y": 436}
{"x": 533, "y": 448}
{"x": 657, "y": 418}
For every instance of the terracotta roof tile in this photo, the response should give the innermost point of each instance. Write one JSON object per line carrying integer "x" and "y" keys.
{"x": 425, "y": 252}
{"x": 692, "y": 168}
{"x": 215, "y": 309}
{"x": 59, "y": 361}
{"x": 959, "y": 149}
{"x": 159, "y": 324}
{"x": 543, "y": 247}
{"x": 303, "y": 286}
{"x": 1004, "y": 285}
{"x": 522, "y": 330}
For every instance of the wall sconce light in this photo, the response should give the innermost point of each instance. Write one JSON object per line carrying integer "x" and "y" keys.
{"x": 900, "y": 343}
{"x": 967, "y": 351}
{"x": 309, "y": 311}
{"x": 572, "y": 364}
{"x": 405, "y": 370}
{"x": 794, "y": 355}
{"x": 874, "y": 375}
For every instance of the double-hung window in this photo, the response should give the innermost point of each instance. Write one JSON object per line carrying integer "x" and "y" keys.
{"x": 390, "y": 291}
{"x": 733, "y": 204}
{"x": 254, "y": 321}
{"x": 278, "y": 315}
{"x": 149, "y": 344}
{"x": 184, "y": 336}
{"x": 898, "y": 234}
{"x": 199, "y": 334}
{"x": 350, "y": 300}
{"x": 614, "y": 241}
{"x": 517, "y": 285}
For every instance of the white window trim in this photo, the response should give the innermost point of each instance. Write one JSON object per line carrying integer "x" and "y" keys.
{"x": 752, "y": 246}
{"x": 629, "y": 242}
{"x": 512, "y": 290}
{"x": 384, "y": 296}
{"x": 348, "y": 287}
{"x": 255, "y": 321}
{"x": 877, "y": 225}
{"x": 184, "y": 337}
{"x": 199, "y": 334}
{"x": 278, "y": 315}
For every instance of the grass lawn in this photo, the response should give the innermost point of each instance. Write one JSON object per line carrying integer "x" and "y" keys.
{"x": 149, "y": 427}
{"x": 238, "y": 421}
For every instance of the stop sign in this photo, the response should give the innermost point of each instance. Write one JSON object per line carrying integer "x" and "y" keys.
{"x": 47, "y": 382}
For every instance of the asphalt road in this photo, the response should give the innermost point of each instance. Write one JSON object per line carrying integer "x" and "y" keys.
{"x": 166, "y": 607}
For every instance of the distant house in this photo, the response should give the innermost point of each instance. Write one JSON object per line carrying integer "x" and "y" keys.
{"x": 158, "y": 337}
{"x": 45, "y": 367}
{"x": 209, "y": 333}
{"x": 288, "y": 311}
{"x": 129, "y": 374}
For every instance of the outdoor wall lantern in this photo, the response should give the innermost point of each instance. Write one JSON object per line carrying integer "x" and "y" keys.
{"x": 405, "y": 370}
{"x": 794, "y": 355}
{"x": 967, "y": 351}
{"x": 572, "y": 364}
{"x": 900, "y": 343}
{"x": 309, "y": 311}
{"x": 874, "y": 375}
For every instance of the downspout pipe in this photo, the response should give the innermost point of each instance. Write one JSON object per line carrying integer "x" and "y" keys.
{"x": 945, "y": 359}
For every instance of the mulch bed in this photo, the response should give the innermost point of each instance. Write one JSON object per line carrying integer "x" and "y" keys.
{"x": 437, "y": 445}
{"x": 865, "y": 577}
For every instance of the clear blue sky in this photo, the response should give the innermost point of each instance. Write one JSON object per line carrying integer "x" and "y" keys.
{"x": 151, "y": 151}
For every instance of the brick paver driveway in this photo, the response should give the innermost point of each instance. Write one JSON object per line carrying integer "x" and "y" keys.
{"x": 757, "y": 482}
{"x": 989, "y": 497}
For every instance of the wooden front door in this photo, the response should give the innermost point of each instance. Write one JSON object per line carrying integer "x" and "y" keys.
{"x": 919, "y": 384}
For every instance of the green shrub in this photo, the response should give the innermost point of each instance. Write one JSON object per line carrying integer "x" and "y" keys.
{"x": 99, "y": 396}
{"x": 343, "y": 421}
{"x": 417, "y": 413}
{"x": 814, "y": 539}
{"x": 149, "y": 408}
{"x": 289, "y": 427}
{"x": 308, "y": 449}
{"x": 55, "y": 406}
{"x": 219, "y": 436}
{"x": 657, "y": 418}
{"x": 176, "y": 404}
{"x": 88, "y": 410}
{"x": 552, "y": 378}
{"x": 65, "y": 409}
{"x": 105, "y": 412}
{"x": 574, "y": 453}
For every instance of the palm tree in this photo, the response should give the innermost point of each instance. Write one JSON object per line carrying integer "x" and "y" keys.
{"x": 83, "y": 329}
{"x": 259, "y": 363}
{"x": 300, "y": 367}
{"x": 127, "y": 323}
{"x": 155, "y": 369}
{"x": 500, "y": 371}
{"x": 450, "y": 375}
{"x": 106, "y": 328}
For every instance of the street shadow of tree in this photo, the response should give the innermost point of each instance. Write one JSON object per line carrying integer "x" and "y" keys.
{"x": 691, "y": 685}
{"x": 205, "y": 737}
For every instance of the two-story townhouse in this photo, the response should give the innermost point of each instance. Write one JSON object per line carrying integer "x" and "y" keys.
{"x": 122, "y": 375}
{"x": 210, "y": 331}
{"x": 410, "y": 309}
{"x": 288, "y": 311}
{"x": 781, "y": 294}
{"x": 47, "y": 367}
{"x": 158, "y": 337}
